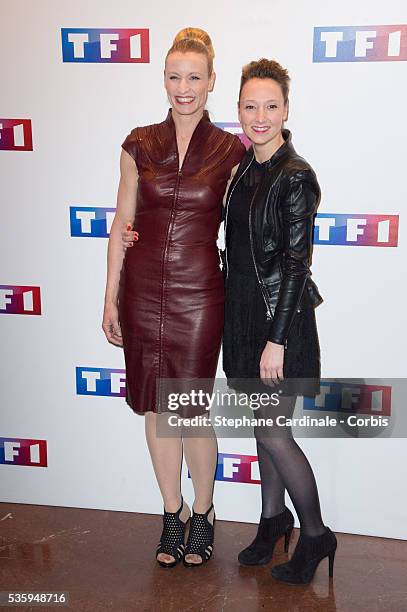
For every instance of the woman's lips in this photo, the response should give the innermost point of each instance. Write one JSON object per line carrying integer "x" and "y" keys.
{"x": 184, "y": 99}
{"x": 260, "y": 129}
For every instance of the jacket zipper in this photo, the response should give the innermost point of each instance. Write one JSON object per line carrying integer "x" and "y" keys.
{"x": 227, "y": 212}
{"x": 269, "y": 314}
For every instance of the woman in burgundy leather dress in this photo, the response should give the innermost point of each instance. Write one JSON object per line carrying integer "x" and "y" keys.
{"x": 164, "y": 299}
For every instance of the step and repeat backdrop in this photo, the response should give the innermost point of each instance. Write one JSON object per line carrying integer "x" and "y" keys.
{"x": 76, "y": 78}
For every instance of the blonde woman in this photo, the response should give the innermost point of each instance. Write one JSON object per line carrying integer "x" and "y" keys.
{"x": 165, "y": 299}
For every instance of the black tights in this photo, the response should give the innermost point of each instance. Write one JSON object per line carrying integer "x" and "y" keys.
{"x": 283, "y": 465}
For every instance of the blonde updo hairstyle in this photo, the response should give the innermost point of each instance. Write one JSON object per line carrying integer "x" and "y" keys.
{"x": 196, "y": 40}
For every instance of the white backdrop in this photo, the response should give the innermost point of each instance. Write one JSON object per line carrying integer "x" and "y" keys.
{"x": 347, "y": 119}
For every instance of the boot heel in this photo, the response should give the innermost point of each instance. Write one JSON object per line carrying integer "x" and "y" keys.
{"x": 308, "y": 553}
{"x": 331, "y": 563}
{"x": 287, "y": 537}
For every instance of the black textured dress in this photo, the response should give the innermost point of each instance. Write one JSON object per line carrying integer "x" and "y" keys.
{"x": 246, "y": 325}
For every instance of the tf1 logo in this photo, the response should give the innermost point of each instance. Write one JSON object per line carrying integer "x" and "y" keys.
{"x": 238, "y": 468}
{"x": 101, "y": 381}
{"x": 20, "y": 300}
{"x": 106, "y": 45}
{"x": 356, "y": 230}
{"x": 91, "y": 221}
{"x": 351, "y": 398}
{"x": 360, "y": 43}
{"x": 16, "y": 135}
{"x": 20, "y": 451}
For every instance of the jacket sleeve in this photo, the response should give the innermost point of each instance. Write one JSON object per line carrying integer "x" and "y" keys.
{"x": 299, "y": 208}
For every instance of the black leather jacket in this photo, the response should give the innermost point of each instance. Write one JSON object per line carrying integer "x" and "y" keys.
{"x": 281, "y": 222}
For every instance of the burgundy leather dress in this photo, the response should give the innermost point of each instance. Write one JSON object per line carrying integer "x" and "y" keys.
{"x": 171, "y": 289}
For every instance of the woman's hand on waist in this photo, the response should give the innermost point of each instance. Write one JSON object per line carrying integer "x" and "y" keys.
{"x": 129, "y": 236}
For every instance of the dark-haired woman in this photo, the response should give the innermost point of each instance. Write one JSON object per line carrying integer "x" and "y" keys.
{"x": 270, "y": 335}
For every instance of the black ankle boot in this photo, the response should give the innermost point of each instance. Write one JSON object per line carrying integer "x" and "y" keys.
{"x": 269, "y": 531}
{"x": 310, "y": 550}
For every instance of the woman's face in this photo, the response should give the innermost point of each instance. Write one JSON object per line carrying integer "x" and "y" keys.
{"x": 262, "y": 111}
{"x": 187, "y": 82}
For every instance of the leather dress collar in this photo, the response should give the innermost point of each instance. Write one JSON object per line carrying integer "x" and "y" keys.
{"x": 199, "y": 135}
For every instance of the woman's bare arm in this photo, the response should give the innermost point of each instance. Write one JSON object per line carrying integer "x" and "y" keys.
{"x": 125, "y": 211}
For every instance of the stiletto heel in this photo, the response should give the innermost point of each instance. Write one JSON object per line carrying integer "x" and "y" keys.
{"x": 287, "y": 537}
{"x": 308, "y": 554}
{"x": 331, "y": 562}
{"x": 269, "y": 531}
{"x": 172, "y": 537}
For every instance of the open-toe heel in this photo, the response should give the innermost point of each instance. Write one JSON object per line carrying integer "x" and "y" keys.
{"x": 200, "y": 538}
{"x": 172, "y": 537}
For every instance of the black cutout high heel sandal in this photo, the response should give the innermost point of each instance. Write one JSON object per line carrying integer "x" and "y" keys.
{"x": 269, "y": 531}
{"x": 172, "y": 537}
{"x": 308, "y": 553}
{"x": 200, "y": 538}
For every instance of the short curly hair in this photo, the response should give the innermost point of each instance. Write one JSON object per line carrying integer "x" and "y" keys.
{"x": 266, "y": 69}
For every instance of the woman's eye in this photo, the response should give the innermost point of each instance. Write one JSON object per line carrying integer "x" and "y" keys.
{"x": 195, "y": 78}
{"x": 272, "y": 106}
{"x": 249, "y": 106}
{"x": 172, "y": 78}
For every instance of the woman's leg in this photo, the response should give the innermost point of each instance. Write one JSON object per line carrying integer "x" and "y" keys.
{"x": 294, "y": 470}
{"x": 272, "y": 486}
{"x": 166, "y": 456}
{"x": 201, "y": 455}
